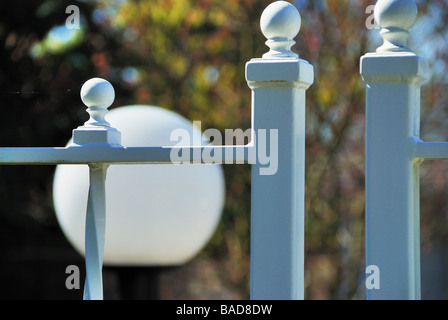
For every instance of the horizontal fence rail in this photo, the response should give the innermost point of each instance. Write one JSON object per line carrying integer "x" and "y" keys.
{"x": 127, "y": 155}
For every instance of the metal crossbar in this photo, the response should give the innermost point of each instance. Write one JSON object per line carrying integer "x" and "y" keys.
{"x": 126, "y": 155}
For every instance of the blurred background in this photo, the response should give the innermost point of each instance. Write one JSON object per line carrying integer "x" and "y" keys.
{"x": 189, "y": 56}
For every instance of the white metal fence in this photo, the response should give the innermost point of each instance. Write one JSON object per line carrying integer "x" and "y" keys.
{"x": 393, "y": 76}
{"x": 279, "y": 80}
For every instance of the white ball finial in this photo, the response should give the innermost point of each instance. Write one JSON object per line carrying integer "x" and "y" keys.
{"x": 97, "y": 94}
{"x": 395, "y": 17}
{"x": 280, "y": 23}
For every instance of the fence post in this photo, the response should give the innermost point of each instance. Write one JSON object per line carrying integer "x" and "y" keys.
{"x": 97, "y": 94}
{"x": 278, "y": 81}
{"x": 393, "y": 77}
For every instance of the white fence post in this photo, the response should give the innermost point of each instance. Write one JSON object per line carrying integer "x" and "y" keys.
{"x": 97, "y": 94}
{"x": 95, "y": 232}
{"x": 393, "y": 76}
{"x": 278, "y": 81}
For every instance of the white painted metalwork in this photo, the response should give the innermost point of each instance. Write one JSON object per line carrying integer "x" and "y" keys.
{"x": 97, "y": 94}
{"x": 141, "y": 214}
{"x": 278, "y": 82}
{"x": 394, "y": 152}
{"x": 95, "y": 232}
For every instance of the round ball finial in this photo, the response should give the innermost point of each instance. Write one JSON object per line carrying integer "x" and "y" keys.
{"x": 280, "y": 22}
{"x": 97, "y": 93}
{"x": 395, "y": 17}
